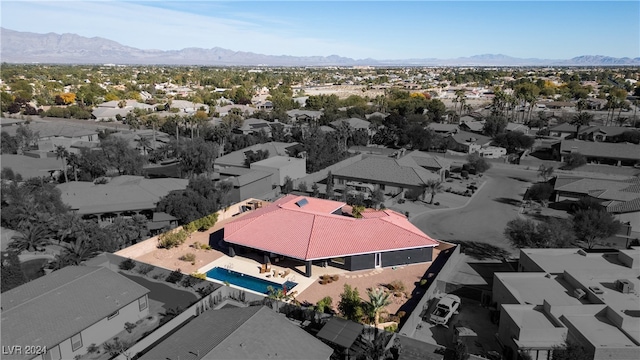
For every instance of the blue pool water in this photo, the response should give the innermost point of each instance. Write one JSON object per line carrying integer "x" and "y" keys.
{"x": 246, "y": 281}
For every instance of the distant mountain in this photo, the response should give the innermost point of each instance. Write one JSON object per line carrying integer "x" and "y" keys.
{"x": 52, "y": 48}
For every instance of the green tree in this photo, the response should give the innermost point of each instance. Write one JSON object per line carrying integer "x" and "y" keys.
{"x": 494, "y": 125}
{"x": 63, "y": 154}
{"x": 378, "y": 300}
{"x": 287, "y": 187}
{"x": 350, "y": 304}
{"x": 581, "y": 119}
{"x": 315, "y": 190}
{"x": 31, "y": 235}
{"x": 540, "y": 192}
{"x": 11, "y": 272}
{"x": 479, "y": 163}
{"x": 594, "y": 225}
{"x": 377, "y": 197}
{"x": 574, "y": 160}
{"x": 545, "y": 172}
{"x": 571, "y": 351}
{"x": 433, "y": 187}
{"x": 196, "y": 156}
{"x": 329, "y": 185}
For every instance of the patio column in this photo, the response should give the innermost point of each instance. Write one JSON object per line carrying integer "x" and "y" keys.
{"x": 232, "y": 250}
{"x": 307, "y": 268}
{"x": 265, "y": 258}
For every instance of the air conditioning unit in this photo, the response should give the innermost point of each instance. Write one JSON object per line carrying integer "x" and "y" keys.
{"x": 624, "y": 286}
{"x": 579, "y": 293}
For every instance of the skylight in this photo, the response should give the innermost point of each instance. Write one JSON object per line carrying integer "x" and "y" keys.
{"x": 302, "y": 202}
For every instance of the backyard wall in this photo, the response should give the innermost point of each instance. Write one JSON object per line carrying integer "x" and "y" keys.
{"x": 144, "y": 247}
{"x": 435, "y": 286}
{"x": 208, "y": 303}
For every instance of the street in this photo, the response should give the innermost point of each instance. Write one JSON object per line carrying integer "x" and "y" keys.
{"x": 485, "y": 217}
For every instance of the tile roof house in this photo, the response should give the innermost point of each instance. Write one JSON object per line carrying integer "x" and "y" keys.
{"x": 68, "y": 310}
{"x": 52, "y": 134}
{"x": 274, "y": 148}
{"x": 29, "y": 167}
{"x": 620, "y": 154}
{"x": 619, "y": 197}
{"x": 354, "y": 123}
{"x": 467, "y": 142}
{"x": 444, "y": 129}
{"x": 252, "y": 125}
{"x": 392, "y": 175}
{"x": 126, "y": 193}
{"x": 245, "y": 333}
{"x": 560, "y": 294}
{"x": 317, "y": 230}
{"x": 433, "y": 163}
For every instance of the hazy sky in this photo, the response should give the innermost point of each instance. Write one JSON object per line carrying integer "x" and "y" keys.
{"x": 356, "y": 29}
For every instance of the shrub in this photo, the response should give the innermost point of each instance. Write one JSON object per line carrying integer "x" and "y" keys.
{"x": 324, "y": 304}
{"x": 158, "y": 276}
{"x": 188, "y": 257}
{"x": 127, "y": 264}
{"x": 191, "y": 281}
{"x": 172, "y": 239}
{"x": 174, "y": 277}
{"x": 93, "y": 348}
{"x": 129, "y": 326}
{"x": 190, "y": 227}
{"x": 574, "y": 160}
{"x": 116, "y": 347}
{"x": 144, "y": 269}
{"x": 198, "y": 245}
{"x": 302, "y": 186}
{"x": 198, "y": 275}
{"x": 391, "y": 328}
{"x": 540, "y": 192}
{"x": 207, "y": 222}
{"x": 464, "y": 174}
{"x": 423, "y": 282}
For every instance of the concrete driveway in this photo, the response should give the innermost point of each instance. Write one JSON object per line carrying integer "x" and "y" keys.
{"x": 480, "y": 224}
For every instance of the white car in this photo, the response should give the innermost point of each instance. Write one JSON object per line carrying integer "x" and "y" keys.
{"x": 446, "y": 307}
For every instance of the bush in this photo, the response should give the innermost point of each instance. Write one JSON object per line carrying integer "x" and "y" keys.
{"x": 127, "y": 264}
{"x": 302, "y": 186}
{"x": 174, "y": 277}
{"x": 540, "y": 192}
{"x": 188, "y": 257}
{"x": 129, "y": 326}
{"x": 172, "y": 239}
{"x": 324, "y": 304}
{"x": 198, "y": 275}
{"x": 144, "y": 269}
{"x": 191, "y": 281}
{"x": 198, "y": 245}
{"x": 464, "y": 174}
{"x": 93, "y": 348}
{"x": 574, "y": 160}
{"x": 391, "y": 328}
{"x": 158, "y": 276}
{"x": 207, "y": 222}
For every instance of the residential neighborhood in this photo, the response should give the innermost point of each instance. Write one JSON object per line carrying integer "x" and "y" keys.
{"x": 192, "y": 212}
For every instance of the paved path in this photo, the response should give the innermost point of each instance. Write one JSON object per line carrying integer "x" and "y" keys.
{"x": 484, "y": 218}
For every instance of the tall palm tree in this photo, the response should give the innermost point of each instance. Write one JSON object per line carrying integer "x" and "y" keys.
{"x": 62, "y": 153}
{"x": 145, "y": 144}
{"x": 78, "y": 251}
{"x": 580, "y": 119}
{"x": 31, "y": 235}
{"x": 434, "y": 187}
{"x": 378, "y": 300}
{"x": 73, "y": 160}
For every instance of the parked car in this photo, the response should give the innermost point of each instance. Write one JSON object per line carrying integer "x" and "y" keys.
{"x": 446, "y": 307}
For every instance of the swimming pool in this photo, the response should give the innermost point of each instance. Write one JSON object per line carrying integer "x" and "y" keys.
{"x": 246, "y": 281}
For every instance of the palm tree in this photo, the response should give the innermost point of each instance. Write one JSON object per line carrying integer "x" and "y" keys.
{"x": 30, "y": 236}
{"x": 144, "y": 143}
{"x": 580, "y": 119}
{"x": 434, "y": 187}
{"x": 62, "y": 153}
{"x": 78, "y": 251}
{"x": 378, "y": 300}
{"x": 74, "y": 161}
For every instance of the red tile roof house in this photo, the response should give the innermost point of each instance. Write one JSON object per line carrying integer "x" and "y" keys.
{"x": 67, "y": 311}
{"x": 323, "y": 232}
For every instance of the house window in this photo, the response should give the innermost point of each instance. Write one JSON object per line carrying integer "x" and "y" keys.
{"x": 76, "y": 342}
{"x": 53, "y": 354}
{"x": 338, "y": 260}
{"x": 113, "y": 315}
{"x": 142, "y": 303}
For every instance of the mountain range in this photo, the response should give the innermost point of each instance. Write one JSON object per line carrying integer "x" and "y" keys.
{"x": 52, "y": 48}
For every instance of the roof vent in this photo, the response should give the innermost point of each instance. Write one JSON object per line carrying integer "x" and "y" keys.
{"x": 596, "y": 290}
{"x": 579, "y": 293}
{"x": 302, "y": 202}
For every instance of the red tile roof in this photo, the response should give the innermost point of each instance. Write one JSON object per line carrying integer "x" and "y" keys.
{"x": 312, "y": 232}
